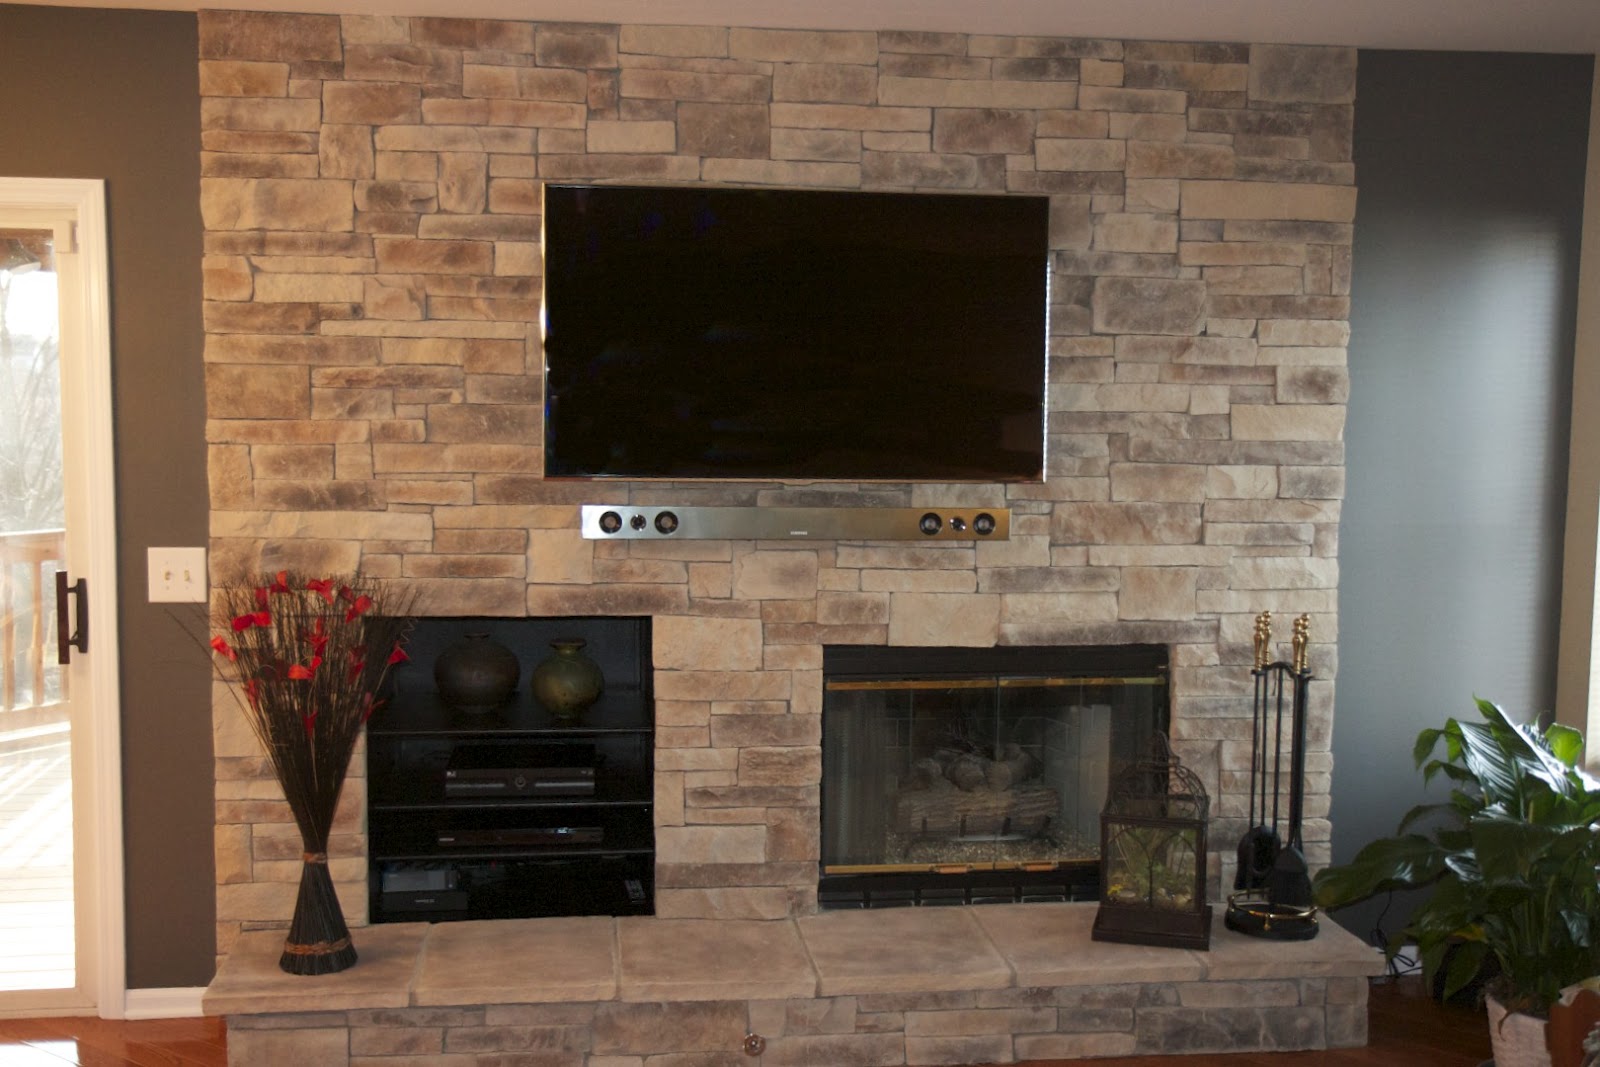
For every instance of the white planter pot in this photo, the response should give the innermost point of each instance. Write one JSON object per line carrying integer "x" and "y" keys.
{"x": 1517, "y": 1039}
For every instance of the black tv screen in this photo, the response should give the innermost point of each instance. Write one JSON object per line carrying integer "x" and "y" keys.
{"x": 694, "y": 332}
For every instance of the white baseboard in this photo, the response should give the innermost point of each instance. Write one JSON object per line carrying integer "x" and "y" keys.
{"x": 176, "y": 1003}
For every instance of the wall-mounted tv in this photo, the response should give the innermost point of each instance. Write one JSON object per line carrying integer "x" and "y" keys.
{"x": 778, "y": 334}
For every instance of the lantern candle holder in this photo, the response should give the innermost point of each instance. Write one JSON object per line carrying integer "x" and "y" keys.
{"x": 1153, "y": 855}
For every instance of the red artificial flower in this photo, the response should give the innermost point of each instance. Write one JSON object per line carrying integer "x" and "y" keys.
{"x": 359, "y": 605}
{"x": 254, "y": 618}
{"x": 318, "y": 637}
{"x": 222, "y": 648}
{"x": 310, "y": 722}
{"x": 303, "y": 673}
{"x": 398, "y": 655}
{"x": 369, "y": 706}
{"x": 346, "y": 593}
{"x": 261, "y": 596}
{"x": 281, "y": 584}
{"x": 323, "y": 587}
{"x": 252, "y": 690}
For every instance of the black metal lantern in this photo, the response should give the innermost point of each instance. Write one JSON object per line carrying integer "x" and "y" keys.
{"x": 1153, "y": 855}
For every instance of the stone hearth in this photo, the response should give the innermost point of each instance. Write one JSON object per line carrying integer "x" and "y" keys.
{"x": 996, "y": 984}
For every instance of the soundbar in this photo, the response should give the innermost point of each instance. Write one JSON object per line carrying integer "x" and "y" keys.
{"x": 615, "y": 522}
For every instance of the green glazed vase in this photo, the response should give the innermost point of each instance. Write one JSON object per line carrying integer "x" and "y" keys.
{"x": 567, "y": 682}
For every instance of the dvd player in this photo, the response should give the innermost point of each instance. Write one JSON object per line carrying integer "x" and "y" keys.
{"x": 551, "y": 835}
{"x": 520, "y": 770}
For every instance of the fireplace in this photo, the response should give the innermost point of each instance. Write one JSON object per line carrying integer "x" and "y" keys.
{"x": 976, "y": 775}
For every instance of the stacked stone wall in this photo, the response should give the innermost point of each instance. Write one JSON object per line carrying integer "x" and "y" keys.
{"x": 371, "y": 199}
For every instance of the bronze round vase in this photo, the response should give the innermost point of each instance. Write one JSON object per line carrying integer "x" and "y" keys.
{"x": 568, "y": 681}
{"x": 476, "y": 673}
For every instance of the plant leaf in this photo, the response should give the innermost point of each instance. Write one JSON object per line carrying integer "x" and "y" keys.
{"x": 1464, "y": 964}
{"x": 1449, "y": 770}
{"x": 1532, "y": 751}
{"x": 1566, "y": 744}
{"x": 1508, "y": 849}
{"x": 1426, "y": 741}
{"x": 1423, "y": 811}
{"x": 1388, "y": 863}
{"x": 1496, "y": 767}
{"x": 1580, "y": 927}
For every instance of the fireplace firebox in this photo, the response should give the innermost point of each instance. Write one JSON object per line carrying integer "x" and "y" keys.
{"x": 976, "y": 775}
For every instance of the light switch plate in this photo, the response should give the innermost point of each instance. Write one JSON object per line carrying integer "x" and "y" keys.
{"x": 177, "y": 575}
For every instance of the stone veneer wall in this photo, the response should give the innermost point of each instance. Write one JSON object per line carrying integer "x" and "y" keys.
{"x": 371, "y": 198}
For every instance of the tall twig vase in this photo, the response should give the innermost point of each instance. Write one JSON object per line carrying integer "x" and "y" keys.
{"x": 319, "y": 941}
{"x": 311, "y": 657}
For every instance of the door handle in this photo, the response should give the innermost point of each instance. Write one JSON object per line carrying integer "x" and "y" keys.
{"x": 66, "y": 641}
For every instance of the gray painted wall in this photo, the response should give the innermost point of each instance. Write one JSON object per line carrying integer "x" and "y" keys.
{"x": 1471, "y": 176}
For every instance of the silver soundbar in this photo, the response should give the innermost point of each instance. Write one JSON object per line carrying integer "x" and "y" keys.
{"x": 615, "y": 522}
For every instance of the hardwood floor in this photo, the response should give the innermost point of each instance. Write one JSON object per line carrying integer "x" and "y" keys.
{"x": 107, "y": 1043}
{"x": 1407, "y": 1029}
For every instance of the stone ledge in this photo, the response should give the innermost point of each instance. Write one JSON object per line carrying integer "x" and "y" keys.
{"x": 989, "y": 984}
{"x": 933, "y": 950}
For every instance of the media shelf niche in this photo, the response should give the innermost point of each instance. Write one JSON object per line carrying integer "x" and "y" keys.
{"x": 535, "y": 834}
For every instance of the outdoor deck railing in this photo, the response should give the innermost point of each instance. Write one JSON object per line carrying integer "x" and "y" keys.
{"x": 27, "y": 562}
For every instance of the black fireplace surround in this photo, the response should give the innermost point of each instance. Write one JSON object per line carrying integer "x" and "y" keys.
{"x": 976, "y": 775}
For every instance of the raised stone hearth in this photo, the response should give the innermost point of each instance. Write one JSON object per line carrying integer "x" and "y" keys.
{"x": 996, "y": 984}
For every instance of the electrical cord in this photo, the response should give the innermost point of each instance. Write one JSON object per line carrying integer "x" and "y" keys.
{"x": 1402, "y": 963}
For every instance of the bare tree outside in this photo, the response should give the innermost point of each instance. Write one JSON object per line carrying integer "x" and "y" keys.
{"x": 32, "y": 498}
{"x": 30, "y": 402}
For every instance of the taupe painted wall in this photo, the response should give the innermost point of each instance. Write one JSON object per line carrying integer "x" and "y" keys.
{"x": 114, "y": 95}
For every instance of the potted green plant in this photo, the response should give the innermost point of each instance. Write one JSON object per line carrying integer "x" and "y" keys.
{"x": 1511, "y": 860}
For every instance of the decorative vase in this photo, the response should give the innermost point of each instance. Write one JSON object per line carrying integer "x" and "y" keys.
{"x": 1517, "y": 1039}
{"x": 319, "y": 940}
{"x": 568, "y": 681}
{"x": 476, "y": 673}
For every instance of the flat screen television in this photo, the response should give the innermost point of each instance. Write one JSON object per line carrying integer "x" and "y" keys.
{"x": 778, "y": 334}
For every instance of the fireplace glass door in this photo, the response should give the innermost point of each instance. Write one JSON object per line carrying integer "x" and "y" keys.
{"x": 961, "y": 775}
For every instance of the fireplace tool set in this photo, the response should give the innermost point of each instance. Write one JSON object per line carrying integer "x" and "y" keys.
{"x": 1272, "y": 897}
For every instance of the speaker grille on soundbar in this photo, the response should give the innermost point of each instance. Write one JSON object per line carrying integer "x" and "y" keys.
{"x": 607, "y": 522}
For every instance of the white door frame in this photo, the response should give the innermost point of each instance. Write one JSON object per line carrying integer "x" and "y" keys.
{"x": 78, "y": 204}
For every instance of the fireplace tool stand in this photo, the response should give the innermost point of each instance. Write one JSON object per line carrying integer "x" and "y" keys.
{"x": 1272, "y": 897}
